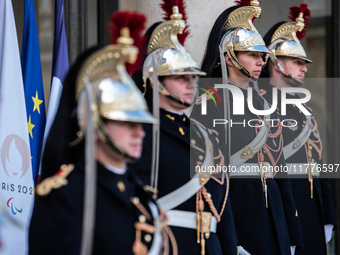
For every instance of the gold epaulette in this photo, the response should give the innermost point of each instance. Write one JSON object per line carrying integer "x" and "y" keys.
{"x": 56, "y": 181}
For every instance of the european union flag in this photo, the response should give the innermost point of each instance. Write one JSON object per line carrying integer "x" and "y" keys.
{"x": 33, "y": 86}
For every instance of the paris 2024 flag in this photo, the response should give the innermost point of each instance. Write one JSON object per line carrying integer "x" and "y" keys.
{"x": 16, "y": 193}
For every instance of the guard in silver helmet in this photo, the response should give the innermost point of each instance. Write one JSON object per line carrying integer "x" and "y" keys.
{"x": 94, "y": 203}
{"x": 197, "y": 208}
{"x": 286, "y": 68}
{"x": 240, "y": 35}
{"x": 261, "y": 199}
{"x": 170, "y": 55}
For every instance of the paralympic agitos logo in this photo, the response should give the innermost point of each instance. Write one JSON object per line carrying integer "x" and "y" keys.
{"x": 14, "y": 209}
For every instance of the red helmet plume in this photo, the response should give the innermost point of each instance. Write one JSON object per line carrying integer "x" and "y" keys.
{"x": 294, "y": 13}
{"x": 243, "y": 2}
{"x": 166, "y": 6}
{"x": 136, "y": 23}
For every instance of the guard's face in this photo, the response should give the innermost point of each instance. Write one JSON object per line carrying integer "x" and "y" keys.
{"x": 182, "y": 86}
{"x": 128, "y": 136}
{"x": 252, "y": 61}
{"x": 295, "y": 66}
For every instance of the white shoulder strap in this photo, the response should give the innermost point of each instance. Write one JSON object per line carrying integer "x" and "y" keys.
{"x": 300, "y": 140}
{"x": 237, "y": 158}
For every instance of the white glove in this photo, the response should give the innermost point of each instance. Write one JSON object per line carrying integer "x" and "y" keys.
{"x": 292, "y": 250}
{"x": 328, "y": 232}
{"x": 242, "y": 251}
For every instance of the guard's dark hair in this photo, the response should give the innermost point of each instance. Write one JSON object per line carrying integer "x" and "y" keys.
{"x": 211, "y": 55}
{"x": 65, "y": 126}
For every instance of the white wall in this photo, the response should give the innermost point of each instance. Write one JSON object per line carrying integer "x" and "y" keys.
{"x": 201, "y": 16}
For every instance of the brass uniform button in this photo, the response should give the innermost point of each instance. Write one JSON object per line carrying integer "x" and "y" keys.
{"x": 181, "y": 130}
{"x": 135, "y": 200}
{"x": 147, "y": 238}
{"x": 121, "y": 186}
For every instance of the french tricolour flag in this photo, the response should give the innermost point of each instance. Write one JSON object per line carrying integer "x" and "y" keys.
{"x": 60, "y": 65}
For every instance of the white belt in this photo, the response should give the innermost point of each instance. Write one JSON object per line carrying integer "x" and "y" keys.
{"x": 185, "y": 219}
{"x": 252, "y": 170}
{"x": 180, "y": 195}
{"x": 156, "y": 246}
{"x": 302, "y": 169}
{"x": 238, "y": 158}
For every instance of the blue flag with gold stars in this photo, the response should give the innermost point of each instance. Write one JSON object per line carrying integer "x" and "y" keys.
{"x": 33, "y": 86}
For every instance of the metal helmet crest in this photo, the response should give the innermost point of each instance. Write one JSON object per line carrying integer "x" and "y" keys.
{"x": 285, "y": 41}
{"x": 169, "y": 55}
{"x": 115, "y": 94}
{"x": 241, "y": 35}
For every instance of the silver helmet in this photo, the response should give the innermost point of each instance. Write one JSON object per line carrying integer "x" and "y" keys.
{"x": 284, "y": 41}
{"x": 170, "y": 56}
{"x": 116, "y": 96}
{"x": 241, "y": 35}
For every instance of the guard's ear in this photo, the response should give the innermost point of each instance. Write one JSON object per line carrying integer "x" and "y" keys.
{"x": 228, "y": 60}
{"x": 281, "y": 63}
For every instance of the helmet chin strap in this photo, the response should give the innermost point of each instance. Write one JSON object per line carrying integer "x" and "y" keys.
{"x": 246, "y": 73}
{"x": 291, "y": 81}
{"x": 237, "y": 64}
{"x": 166, "y": 93}
{"x": 294, "y": 82}
{"x": 106, "y": 138}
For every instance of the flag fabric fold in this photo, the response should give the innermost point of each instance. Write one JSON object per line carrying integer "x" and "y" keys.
{"x": 33, "y": 85}
{"x": 60, "y": 66}
{"x": 16, "y": 195}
